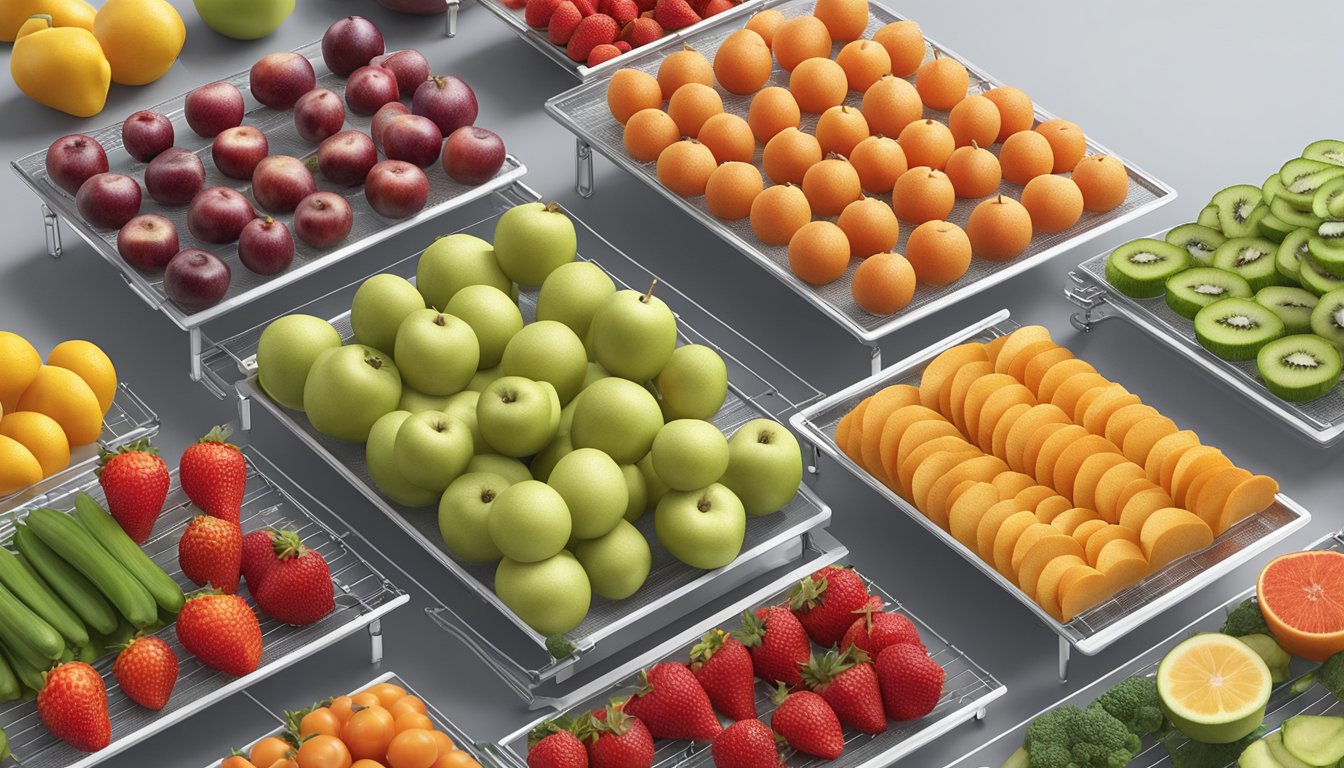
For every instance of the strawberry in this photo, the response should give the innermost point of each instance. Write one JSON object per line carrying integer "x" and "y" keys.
{"x": 807, "y": 723}
{"x": 675, "y": 14}
{"x": 698, "y": 6}
{"x": 146, "y": 670}
{"x": 135, "y": 481}
{"x": 73, "y": 706}
{"x": 213, "y": 474}
{"x": 515, "y": 5}
{"x": 258, "y": 557}
{"x": 597, "y": 29}
{"x": 554, "y": 745}
{"x": 777, "y": 643}
{"x": 715, "y": 7}
{"x": 602, "y": 53}
{"x": 297, "y": 589}
{"x": 911, "y": 682}
{"x": 673, "y": 705}
{"x": 221, "y": 631}
{"x": 873, "y": 631}
{"x": 825, "y": 603}
{"x": 848, "y": 682}
{"x": 538, "y": 12}
{"x": 210, "y": 552}
{"x": 746, "y": 744}
{"x": 616, "y": 739}
{"x": 563, "y": 23}
{"x": 586, "y": 7}
{"x": 623, "y": 11}
{"x": 646, "y": 5}
{"x": 641, "y": 31}
{"x": 722, "y": 664}
{"x": 621, "y": 46}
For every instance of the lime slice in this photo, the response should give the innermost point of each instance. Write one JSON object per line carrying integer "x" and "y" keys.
{"x": 1214, "y": 688}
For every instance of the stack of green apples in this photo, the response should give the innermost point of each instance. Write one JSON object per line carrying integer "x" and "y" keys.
{"x": 542, "y": 443}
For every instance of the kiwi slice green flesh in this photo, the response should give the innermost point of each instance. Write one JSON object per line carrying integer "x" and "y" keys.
{"x": 1301, "y": 178}
{"x": 1254, "y": 258}
{"x": 1273, "y": 228}
{"x": 1199, "y": 240}
{"x": 1195, "y": 289}
{"x": 1291, "y": 251}
{"x": 1236, "y": 329}
{"x": 1237, "y": 206}
{"x": 1299, "y": 368}
{"x": 1328, "y": 253}
{"x": 1326, "y": 151}
{"x": 1271, "y": 188}
{"x": 1141, "y": 268}
{"x": 1317, "y": 280}
{"x": 1208, "y": 217}
{"x": 1328, "y": 202}
{"x": 1285, "y": 212}
{"x": 1292, "y": 305}
{"x": 1327, "y": 319}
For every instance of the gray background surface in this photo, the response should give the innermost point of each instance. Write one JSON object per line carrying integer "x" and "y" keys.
{"x": 1202, "y": 95}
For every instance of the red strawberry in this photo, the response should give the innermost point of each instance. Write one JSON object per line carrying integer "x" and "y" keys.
{"x": 221, "y": 631}
{"x": 698, "y": 6}
{"x": 595, "y": 30}
{"x": 722, "y": 664}
{"x": 623, "y": 11}
{"x": 146, "y": 670}
{"x": 675, "y": 14}
{"x": 807, "y": 723}
{"x": 848, "y": 682}
{"x": 778, "y": 644}
{"x": 515, "y": 5}
{"x": 621, "y": 46}
{"x": 873, "y": 631}
{"x": 616, "y": 739}
{"x": 258, "y": 557}
{"x": 715, "y": 7}
{"x": 673, "y": 705}
{"x": 210, "y": 552}
{"x": 297, "y": 589}
{"x": 746, "y": 744}
{"x": 213, "y": 474}
{"x": 538, "y": 12}
{"x": 553, "y": 745}
{"x": 563, "y": 23}
{"x": 73, "y": 706}
{"x": 646, "y": 5}
{"x": 586, "y": 7}
{"x": 602, "y": 53}
{"x": 135, "y": 481}
{"x": 911, "y": 682}
{"x": 825, "y": 603}
{"x": 641, "y": 31}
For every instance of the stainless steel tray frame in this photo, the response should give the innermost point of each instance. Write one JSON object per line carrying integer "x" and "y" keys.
{"x": 1098, "y": 627}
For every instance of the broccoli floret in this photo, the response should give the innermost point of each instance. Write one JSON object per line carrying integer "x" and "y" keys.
{"x": 1188, "y": 753}
{"x": 1134, "y": 702}
{"x": 1331, "y": 675}
{"x": 1070, "y": 737}
{"x": 1245, "y": 619}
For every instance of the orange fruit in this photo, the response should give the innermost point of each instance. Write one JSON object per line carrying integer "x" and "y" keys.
{"x": 840, "y": 129}
{"x": 91, "y": 364}
{"x": 18, "y": 467}
{"x": 684, "y": 66}
{"x": 772, "y": 110}
{"x": 974, "y": 171}
{"x": 407, "y": 721}
{"x": 799, "y": 39}
{"x": 818, "y": 84}
{"x": 731, "y": 189}
{"x": 927, "y": 142}
{"x": 18, "y": 367}
{"x": 415, "y": 748}
{"x": 778, "y": 212}
{"x": 999, "y": 229}
{"x": 1016, "y": 112}
{"x": 844, "y": 19}
{"x": 1103, "y": 181}
{"x": 974, "y": 120}
{"x": 880, "y": 161}
{"x": 1025, "y": 155}
{"x": 864, "y": 62}
{"x": 765, "y": 23}
{"x": 819, "y": 252}
{"x": 728, "y": 137}
{"x": 456, "y": 759}
{"x": 870, "y": 226}
{"x": 1302, "y": 598}
{"x": 890, "y": 104}
{"x": 685, "y": 167}
{"x": 883, "y": 283}
{"x": 743, "y": 62}
{"x": 692, "y": 105}
{"x": 904, "y": 41}
{"x": 831, "y": 185}
{"x": 42, "y": 436}
{"x": 942, "y": 82}
{"x": 789, "y": 154}
{"x": 387, "y": 693}
{"x": 631, "y": 90}
{"x": 66, "y": 398}
{"x": 939, "y": 251}
{"x": 1054, "y": 202}
{"x": 922, "y": 194}
{"x": 1067, "y": 142}
{"x": 648, "y": 132}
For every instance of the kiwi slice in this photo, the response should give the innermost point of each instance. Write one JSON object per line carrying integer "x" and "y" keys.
{"x": 1199, "y": 240}
{"x": 1293, "y": 306}
{"x": 1195, "y": 289}
{"x": 1251, "y": 257}
{"x": 1273, "y": 228}
{"x": 1317, "y": 280}
{"x": 1325, "y": 151}
{"x": 1328, "y": 202}
{"x": 1236, "y": 329}
{"x": 1291, "y": 251}
{"x": 1208, "y": 217}
{"x": 1328, "y": 253}
{"x": 1301, "y": 178}
{"x": 1282, "y": 210}
{"x": 1141, "y": 268}
{"x": 1237, "y": 210}
{"x": 1327, "y": 319}
{"x": 1299, "y": 368}
{"x": 1271, "y": 188}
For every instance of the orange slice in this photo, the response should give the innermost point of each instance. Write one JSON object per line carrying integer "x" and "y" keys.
{"x": 1051, "y": 508}
{"x": 1088, "y": 475}
{"x": 976, "y": 397}
{"x": 842, "y": 430}
{"x": 1141, "y": 438}
{"x": 1166, "y": 472}
{"x": 1047, "y": 586}
{"x": 1143, "y": 504}
{"x": 1016, "y": 342}
{"x": 999, "y": 440}
{"x": 1031, "y": 497}
{"x": 1067, "y": 522}
{"x": 1017, "y": 367}
{"x": 1252, "y": 496}
{"x": 1163, "y": 448}
{"x": 978, "y": 469}
{"x": 955, "y": 392}
{"x": 987, "y": 530}
{"x": 1193, "y": 463}
{"x": 1097, "y": 414}
{"x": 1058, "y": 374}
{"x": 1041, "y": 553}
{"x": 940, "y": 369}
{"x": 880, "y": 406}
{"x": 908, "y": 436}
{"x": 1010, "y": 483}
{"x": 931, "y": 469}
{"x": 1024, "y": 429}
{"x": 992, "y": 348}
{"x": 1172, "y": 533}
{"x": 1302, "y": 598}
{"x": 1214, "y": 492}
{"x": 1040, "y": 364}
{"x": 1052, "y": 448}
{"x": 963, "y": 518}
{"x": 1073, "y": 388}
{"x": 1031, "y": 451}
{"x": 1080, "y": 588}
{"x": 1105, "y": 536}
{"x": 1122, "y": 562}
{"x": 1070, "y": 461}
{"x": 1084, "y": 532}
{"x": 1000, "y": 401}
{"x": 1005, "y": 541}
{"x": 905, "y": 474}
{"x": 1106, "y": 497}
{"x": 1118, "y": 426}
{"x": 1034, "y": 533}
{"x": 853, "y": 446}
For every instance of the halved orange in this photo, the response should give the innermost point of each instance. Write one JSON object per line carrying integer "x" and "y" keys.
{"x": 1302, "y": 598}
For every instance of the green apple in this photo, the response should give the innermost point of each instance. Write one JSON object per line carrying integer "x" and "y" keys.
{"x": 636, "y": 492}
{"x": 544, "y": 462}
{"x": 594, "y": 373}
{"x": 618, "y": 563}
{"x": 594, "y": 490}
{"x": 654, "y": 487}
{"x": 633, "y": 335}
{"x": 572, "y": 294}
{"x": 547, "y": 351}
{"x": 416, "y": 402}
{"x": 516, "y": 416}
{"x": 693, "y": 384}
{"x": 567, "y": 416}
{"x": 454, "y": 262}
{"x": 703, "y": 528}
{"x": 348, "y": 389}
{"x": 492, "y": 315}
{"x": 437, "y": 353}
{"x": 244, "y": 19}
{"x": 483, "y": 378}
{"x": 618, "y": 417}
{"x": 506, "y": 467}
{"x": 689, "y": 454}
{"x": 432, "y": 449}
{"x": 552, "y": 596}
{"x": 529, "y": 521}
{"x": 380, "y": 305}
{"x": 555, "y": 406}
{"x": 765, "y": 466}
{"x": 532, "y": 240}
{"x": 286, "y": 352}
{"x": 378, "y": 454}
{"x": 463, "y": 406}
{"x": 463, "y": 514}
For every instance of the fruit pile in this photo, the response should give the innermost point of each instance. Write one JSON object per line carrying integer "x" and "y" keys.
{"x": 596, "y": 31}
{"x": 924, "y": 145}
{"x": 1064, "y": 481}
{"x": 438, "y": 128}
{"x": 836, "y": 663}
{"x": 381, "y": 727}
{"x": 541, "y": 442}
{"x": 1259, "y": 273}
{"x": 46, "y": 409}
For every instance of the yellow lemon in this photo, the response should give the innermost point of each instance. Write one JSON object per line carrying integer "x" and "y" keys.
{"x": 63, "y": 396}
{"x": 63, "y": 13}
{"x": 18, "y": 468}
{"x": 141, "y": 38}
{"x": 60, "y": 67}
{"x": 91, "y": 364}
{"x": 18, "y": 367}
{"x": 42, "y": 436}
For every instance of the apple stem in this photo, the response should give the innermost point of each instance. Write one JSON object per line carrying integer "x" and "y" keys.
{"x": 975, "y": 144}
{"x": 374, "y": 361}
{"x": 441, "y": 320}
{"x": 702, "y": 505}
{"x": 553, "y": 207}
{"x": 487, "y": 497}
{"x": 1000, "y": 198}
{"x": 649, "y": 293}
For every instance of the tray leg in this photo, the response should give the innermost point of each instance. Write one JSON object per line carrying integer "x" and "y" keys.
{"x": 583, "y": 168}
{"x": 874, "y": 358}
{"x": 194, "y": 339}
{"x": 814, "y": 460}
{"x": 244, "y": 413}
{"x": 450, "y": 19}
{"x": 1090, "y": 299}
{"x": 53, "y": 226}
{"x": 1063, "y": 660}
{"x": 980, "y": 714}
{"x": 376, "y": 641}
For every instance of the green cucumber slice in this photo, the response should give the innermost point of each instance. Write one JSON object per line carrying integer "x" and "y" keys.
{"x": 1314, "y": 739}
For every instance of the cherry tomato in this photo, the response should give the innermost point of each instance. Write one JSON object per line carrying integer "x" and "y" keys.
{"x": 284, "y": 762}
{"x": 445, "y": 741}
{"x": 366, "y": 699}
{"x": 387, "y": 693}
{"x": 407, "y": 704}
{"x": 268, "y": 751}
{"x": 368, "y": 733}
{"x": 236, "y": 761}
{"x": 324, "y": 752}
{"x": 367, "y": 764}
{"x": 456, "y": 759}
{"x": 342, "y": 707}
{"x": 413, "y": 720}
{"x": 416, "y": 748}
{"x": 321, "y": 721}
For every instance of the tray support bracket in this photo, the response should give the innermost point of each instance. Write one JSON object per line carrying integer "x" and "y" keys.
{"x": 1063, "y": 660}
{"x": 450, "y": 18}
{"x": 53, "y": 226}
{"x": 376, "y": 641}
{"x": 194, "y": 340}
{"x": 583, "y": 169}
{"x": 874, "y": 358}
{"x": 1091, "y": 299}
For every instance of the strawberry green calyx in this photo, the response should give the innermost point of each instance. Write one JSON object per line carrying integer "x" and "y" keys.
{"x": 294, "y": 720}
{"x": 558, "y": 725}
{"x": 617, "y": 723}
{"x": 821, "y": 670}
{"x": 288, "y": 545}
{"x": 807, "y": 594}
{"x": 780, "y": 693}
{"x": 752, "y": 631}
{"x": 139, "y": 446}
{"x": 702, "y": 651}
{"x": 645, "y": 685}
{"x": 218, "y": 434}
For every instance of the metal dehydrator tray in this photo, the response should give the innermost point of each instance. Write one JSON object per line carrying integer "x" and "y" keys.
{"x": 1104, "y": 624}
{"x": 584, "y": 112}
{"x": 1321, "y": 419}
{"x": 363, "y": 596}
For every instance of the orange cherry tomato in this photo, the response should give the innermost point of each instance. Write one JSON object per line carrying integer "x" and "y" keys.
{"x": 456, "y": 759}
{"x": 342, "y": 707}
{"x": 407, "y": 704}
{"x": 323, "y": 751}
{"x": 236, "y": 761}
{"x": 366, "y": 699}
{"x": 416, "y": 748}
{"x": 367, "y": 764}
{"x": 445, "y": 741}
{"x": 387, "y": 693}
{"x": 321, "y": 721}
{"x": 284, "y": 762}
{"x": 413, "y": 720}
{"x": 268, "y": 751}
{"x": 368, "y": 733}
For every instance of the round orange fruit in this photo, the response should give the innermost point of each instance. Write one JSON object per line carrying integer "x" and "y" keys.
{"x": 1067, "y": 143}
{"x": 819, "y": 253}
{"x": 765, "y": 23}
{"x": 922, "y": 194}
{"x": 999, "y": 229}
{"x": 870, "y": 227}
{"x": 91, "y": 364}
{"x": 743, "y": 62}
{"x": 1301, "y": 596}
{"x": 799, "y": 39}
{"x": 1103, "y": 181}
{"x": 778, "y": 212}
{"x": 939, "y": 252}
{"x": 631, "y": 90}
{"x": 889, "y": 105}
{"x": 927, "y": 142}
{"x": 692, "y": 105}
{"x": 648, "y": 132}
{"x": 942, "y": 82}
{"x": 818, "y": 84}
{"x": 731, "y": 190}
{"x": 789, "y": 154}
{"x": 840, "y": 129}
{"x": 883, "y": 284}
{"x": 904, "y": 41}
{"x": 865, "y": 62}
{"x": 18, "y": 367}
{"x": 772, "y": 110}
{"x": 831, "y": 185}
{"x": 844, "y": 19}
{"x": 974, "y": 120}
{"x": 42, "y": 436}
{"x": 1054, "y": 202}
{"x": 880, "y": 161}
{"x": 684, "y": 66}
{"x": 728, "y": 137}
{"x": 67, "y": 399}
{"x": 685, "y": 167}
{"x": 974, "y": 171}
{"x": 1025, "y": 155}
